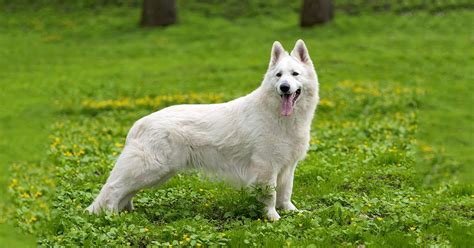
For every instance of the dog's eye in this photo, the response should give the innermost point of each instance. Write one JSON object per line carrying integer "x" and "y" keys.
{"x": 278, "y": 74}
{"x": 295, "y": 73}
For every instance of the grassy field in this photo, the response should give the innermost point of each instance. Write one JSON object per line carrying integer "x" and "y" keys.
{"x": 391, "y": 155}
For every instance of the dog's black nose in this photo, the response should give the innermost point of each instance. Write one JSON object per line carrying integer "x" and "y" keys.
{"x": 284, "y": 87}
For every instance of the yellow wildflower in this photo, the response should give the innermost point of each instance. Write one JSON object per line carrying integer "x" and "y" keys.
{"x": 55, "y": 142}
{"x": 374, "y": 92}
{"x": 152, "y": 102}
{"x": 345, "y": 83}
{"x": 379, "y": 218}
{"x": 24, "y": 195}
{"x": 425, "y": 148}
{"x": 32, "y": 219}
{"x": 357, "y": 89}
{"x": 68, "y": 154}
{"x": 38, "y": 194}
{"x": 326, "y": 103}
{"x": 13, "y": 183}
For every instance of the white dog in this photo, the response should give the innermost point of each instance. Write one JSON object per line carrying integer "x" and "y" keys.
{"x": 256, "y": 139}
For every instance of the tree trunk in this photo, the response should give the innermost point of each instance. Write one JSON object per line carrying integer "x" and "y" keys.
{"x": 316, "y": 12}
{"x": 158, "y": 13}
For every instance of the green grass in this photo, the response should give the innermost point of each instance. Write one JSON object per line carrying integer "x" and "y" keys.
{"x": 385, "y": 168}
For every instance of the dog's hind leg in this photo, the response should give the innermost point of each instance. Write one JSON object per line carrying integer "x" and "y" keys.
{"x": 126, "y": 203}
{"x": 132, "y": 172}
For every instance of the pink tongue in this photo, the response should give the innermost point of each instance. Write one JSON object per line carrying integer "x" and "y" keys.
{"x": 287, "y": 104}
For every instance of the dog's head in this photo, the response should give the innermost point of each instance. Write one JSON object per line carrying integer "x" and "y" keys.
{"x": 291, "y": 77}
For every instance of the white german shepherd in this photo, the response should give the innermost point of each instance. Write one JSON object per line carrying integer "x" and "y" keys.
{"x": 256, "y": 139}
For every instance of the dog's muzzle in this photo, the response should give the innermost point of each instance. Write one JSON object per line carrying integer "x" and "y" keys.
{"x": 288, "y": 100}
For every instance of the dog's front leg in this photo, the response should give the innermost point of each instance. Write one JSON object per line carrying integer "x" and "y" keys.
{"x": 268, "y": 182}
{"x": 285, "y": 188}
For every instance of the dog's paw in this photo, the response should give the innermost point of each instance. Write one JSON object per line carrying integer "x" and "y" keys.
{"x": 288, "y": 206}
{"x": 90, "y": 210}
{"x": 272, "y": 215}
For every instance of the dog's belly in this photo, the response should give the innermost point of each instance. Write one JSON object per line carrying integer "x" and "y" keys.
{"x": 225, "y": 162}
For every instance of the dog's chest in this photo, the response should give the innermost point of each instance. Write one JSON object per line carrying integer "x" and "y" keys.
{"x": 285, "y": 145}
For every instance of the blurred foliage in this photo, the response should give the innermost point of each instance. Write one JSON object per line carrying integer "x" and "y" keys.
{"x": 401, "y": 6}
{"x": 248, "y": 8}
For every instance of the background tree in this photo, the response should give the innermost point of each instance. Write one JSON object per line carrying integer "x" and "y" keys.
{"x": 316, "y": 12}
{"x": 158, "y": 13}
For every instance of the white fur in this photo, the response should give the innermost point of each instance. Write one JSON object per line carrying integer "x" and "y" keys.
{"x": 246, "y": 140}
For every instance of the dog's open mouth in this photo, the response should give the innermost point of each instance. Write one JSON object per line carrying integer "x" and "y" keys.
{"x": 288, "y": 102}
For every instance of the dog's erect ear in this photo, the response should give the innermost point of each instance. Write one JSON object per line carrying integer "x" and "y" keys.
{"x": 300, "y": 52}
{"x": 277, "y": 53}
